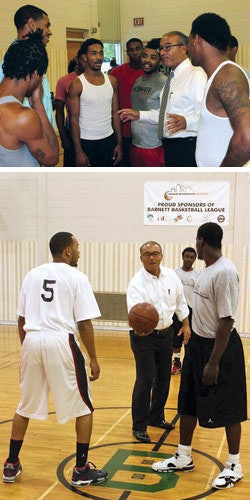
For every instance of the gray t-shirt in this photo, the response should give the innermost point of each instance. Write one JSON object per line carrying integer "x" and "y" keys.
{"x": 215, "y": 296}
{"x": 145, "y": 95}
{"x": 188, "y": 279}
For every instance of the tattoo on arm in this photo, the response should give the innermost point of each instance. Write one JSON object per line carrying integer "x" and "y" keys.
{"x": 234, "y": 100}
{"x": 39, "y": 155}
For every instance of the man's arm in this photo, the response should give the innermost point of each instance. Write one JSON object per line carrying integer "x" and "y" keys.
{"x": 127, "y": 114}
{"x": 195, "y": 92}
{"x": 86, "y": 333}
{"x": 36, "y": 131}
{"x": 116, "y": 122}
{"x": 60, "y": 121}
{"x": 231, "y": 88}
{"x": 73, "y": 102}
{"x": 21, "y": 331}
{"x": 211, "y": 369}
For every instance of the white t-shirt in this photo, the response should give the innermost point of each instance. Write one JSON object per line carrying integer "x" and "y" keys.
{"x": 215, "y": 296}
{"x": 54, "y": 297}
{"x": 188, "y": 279}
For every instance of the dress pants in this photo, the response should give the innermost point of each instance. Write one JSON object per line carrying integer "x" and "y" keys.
{"x": 153, "y": 359}
{"x": 180, "y": 152}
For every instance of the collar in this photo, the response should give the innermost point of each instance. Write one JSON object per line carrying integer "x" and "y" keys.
{"x": 182, "y": 66}
{"x": 149, "y": 276}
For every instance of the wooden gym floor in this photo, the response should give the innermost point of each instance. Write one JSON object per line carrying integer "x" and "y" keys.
{"x": 47, "y": 455}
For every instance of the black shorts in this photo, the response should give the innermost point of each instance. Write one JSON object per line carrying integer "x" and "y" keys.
{"x": 220, "y": 405}
{"x": 100, "y": 152}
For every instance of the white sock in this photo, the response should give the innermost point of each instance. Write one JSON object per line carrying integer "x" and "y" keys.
{"x": 177, "y": 355}
{"x": 184, "y": 450}
{"x": 233, "y": 459}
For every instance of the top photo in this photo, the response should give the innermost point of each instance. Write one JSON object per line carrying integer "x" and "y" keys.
{"x": 117, "y": 85}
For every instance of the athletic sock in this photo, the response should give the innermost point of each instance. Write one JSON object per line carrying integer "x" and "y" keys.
{"x": 81, "y": 454}
{"x": 184, "y": 450}
{"x": 234, "y": 459}
{"x": 15, "y": 447}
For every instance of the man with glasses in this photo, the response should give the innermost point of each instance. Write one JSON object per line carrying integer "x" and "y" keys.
{"x": 180, "y": 103}
{"x": 126, "y": 74}
{"x": 161, "y": 287}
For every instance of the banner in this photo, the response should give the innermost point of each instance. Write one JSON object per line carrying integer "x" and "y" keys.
{"x": 186, "y": 203}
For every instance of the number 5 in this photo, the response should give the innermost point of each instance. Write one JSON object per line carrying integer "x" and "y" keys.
{"x": 49, "y": 290}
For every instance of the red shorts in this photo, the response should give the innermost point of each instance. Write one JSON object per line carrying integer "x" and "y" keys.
{"x": 140, "y": 157}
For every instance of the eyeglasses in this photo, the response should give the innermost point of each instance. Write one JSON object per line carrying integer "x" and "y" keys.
{"x": 167, "y": 48}
{"x": 151, "y": 254}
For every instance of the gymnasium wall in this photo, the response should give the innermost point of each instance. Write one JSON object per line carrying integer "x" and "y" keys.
{"x": 114, "y": 20}
{"x": 105, "y": 212}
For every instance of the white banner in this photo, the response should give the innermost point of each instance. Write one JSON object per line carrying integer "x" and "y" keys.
{"x": 186, "y": 203}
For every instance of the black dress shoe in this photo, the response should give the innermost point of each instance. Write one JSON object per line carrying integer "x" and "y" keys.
{"x": 142, "y": 436}
{"x": 163, "y": 425}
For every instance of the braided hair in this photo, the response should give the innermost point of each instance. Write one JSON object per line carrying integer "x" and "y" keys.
{"x": 24, "y": 57}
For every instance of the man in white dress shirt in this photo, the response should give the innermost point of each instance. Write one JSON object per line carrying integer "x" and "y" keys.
{"x": 182, "y": 109}
{"x": 161, "y": 287}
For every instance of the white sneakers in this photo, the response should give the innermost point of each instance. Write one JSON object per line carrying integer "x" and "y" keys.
{"x": 230, "y": 475}
{"x": 177, "y": 462}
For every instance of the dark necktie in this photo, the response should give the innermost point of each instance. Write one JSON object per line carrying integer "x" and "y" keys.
{"x": 164, "y": 100}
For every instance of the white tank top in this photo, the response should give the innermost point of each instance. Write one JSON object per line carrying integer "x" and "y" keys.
{"x": 214, "y": 132}
{"x": 95, "y": 118}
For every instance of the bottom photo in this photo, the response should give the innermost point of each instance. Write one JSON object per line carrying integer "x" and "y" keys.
{"x": 125, "y": 335}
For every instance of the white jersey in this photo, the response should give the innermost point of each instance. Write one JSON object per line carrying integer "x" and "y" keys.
{"x": 215, "y": 296}
{"x": 188, "y": 279}
{"x": 54, "y": 297}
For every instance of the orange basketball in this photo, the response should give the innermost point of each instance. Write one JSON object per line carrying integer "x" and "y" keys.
{"x": 143, "y": 317}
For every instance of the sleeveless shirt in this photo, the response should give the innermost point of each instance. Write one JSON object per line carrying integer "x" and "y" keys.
{"x": 214, "y": 132}
{"x": 95, "y": 118}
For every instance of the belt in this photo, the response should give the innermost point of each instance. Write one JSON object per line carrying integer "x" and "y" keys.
{"x": 165, "y": 330}
{"x": 179, "y": 139}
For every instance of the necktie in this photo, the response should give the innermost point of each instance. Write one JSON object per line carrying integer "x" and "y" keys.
{"x": 164, "y": 99}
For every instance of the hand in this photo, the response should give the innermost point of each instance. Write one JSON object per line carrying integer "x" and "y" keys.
{"x": 95, "y": 370}
{"x": 174, "y": 123}
{"x": 210, "y": 374}
{"x": 128, "y": 114}
{"x": 117, "y": 156}
{"x": 143, "y": 334}
{"x": 82, "y": 160}
{"x": 185, "y": 330}
{"x": 36, "y": 96}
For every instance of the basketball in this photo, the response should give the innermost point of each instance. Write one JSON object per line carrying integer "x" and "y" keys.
{"x": 143, "y": 318}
